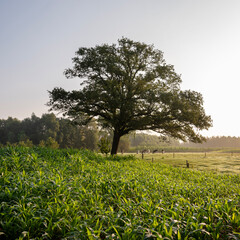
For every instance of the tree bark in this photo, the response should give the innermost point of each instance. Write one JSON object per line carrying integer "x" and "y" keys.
{"x": 116, "y": 138}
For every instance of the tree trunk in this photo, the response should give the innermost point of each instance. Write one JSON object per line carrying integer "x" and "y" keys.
{"x": 116, "y": 138}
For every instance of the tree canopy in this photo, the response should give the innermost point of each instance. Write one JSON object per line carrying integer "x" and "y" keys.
{"x": 128, "y": 86}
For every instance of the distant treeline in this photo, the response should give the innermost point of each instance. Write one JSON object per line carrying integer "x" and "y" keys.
{"x": 59, "y": 132}
{"x": 62, "y": 133}
{"x": 48, "y": 129}
{"x": 216, "y": 142}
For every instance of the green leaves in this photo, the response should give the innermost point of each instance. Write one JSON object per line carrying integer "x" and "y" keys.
{"x": 104, "y": 145}
{"x": 130, "y": 87}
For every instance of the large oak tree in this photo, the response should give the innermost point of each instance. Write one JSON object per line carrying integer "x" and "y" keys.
{"x": 128, "y": 86}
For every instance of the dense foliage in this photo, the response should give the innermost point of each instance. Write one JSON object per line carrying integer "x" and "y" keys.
{"x": 48, "y": 128}
{"x": 128, "y": 86}
{"x": 69, "y": 194}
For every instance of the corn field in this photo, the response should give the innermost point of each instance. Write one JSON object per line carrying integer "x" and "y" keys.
{"x": 70, "y": 194}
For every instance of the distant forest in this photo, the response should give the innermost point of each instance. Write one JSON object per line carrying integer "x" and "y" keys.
{"x": 48, "y": 130}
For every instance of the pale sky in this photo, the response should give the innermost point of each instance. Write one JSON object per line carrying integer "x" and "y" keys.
{"x": 201, "y": 38}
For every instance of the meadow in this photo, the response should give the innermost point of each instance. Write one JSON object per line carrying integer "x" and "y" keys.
{"x": 70, "y": 194}
{"x": 219, "y": 161}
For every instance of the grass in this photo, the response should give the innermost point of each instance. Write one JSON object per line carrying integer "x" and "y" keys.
{"x": 213, "y": 161}
{"x": 66, "y": 194}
